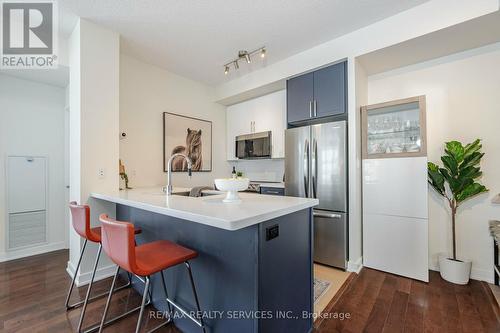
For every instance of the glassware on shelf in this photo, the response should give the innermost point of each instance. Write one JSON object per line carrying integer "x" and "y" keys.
{"x": 394, "y": 128}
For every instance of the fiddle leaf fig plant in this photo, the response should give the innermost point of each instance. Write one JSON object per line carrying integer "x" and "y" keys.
{"x": 456, "y": 180}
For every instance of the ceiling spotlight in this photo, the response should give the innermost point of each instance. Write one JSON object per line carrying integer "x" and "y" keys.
{"x": 243, "y": 54}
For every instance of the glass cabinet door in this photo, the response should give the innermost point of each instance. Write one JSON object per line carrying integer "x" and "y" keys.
{"x": 394, "y": 129}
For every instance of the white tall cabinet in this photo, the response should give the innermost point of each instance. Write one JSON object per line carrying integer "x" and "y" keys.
{"x": 265, "y": 113}
{"x": 395, "y": 208}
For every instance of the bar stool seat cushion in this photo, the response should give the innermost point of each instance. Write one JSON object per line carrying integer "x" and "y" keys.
{"x": 159, "y": 255}
{"x": 95, "y": 234}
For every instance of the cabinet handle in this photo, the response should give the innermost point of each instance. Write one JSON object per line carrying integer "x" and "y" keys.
{"x": 315, "y": 109}
{"x": 327, "y": 215}
{"x": 271, "y": 192}
{"x": 310, "y": 109}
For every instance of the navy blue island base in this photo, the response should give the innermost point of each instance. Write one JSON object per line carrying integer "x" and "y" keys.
{"x": 255, "y": 279}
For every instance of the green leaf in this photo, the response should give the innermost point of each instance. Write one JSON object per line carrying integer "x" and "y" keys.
{"x": 446, "y": 174}
{"x": 472, "y": 160}
{"x": 455, "y": 149}
{"x": 436, "y": 180}
{"x": 470, "y": 172}
{"x": 451, "y": 164}
{"x": 472, "y": 147}
{"x": 470, "y": 191}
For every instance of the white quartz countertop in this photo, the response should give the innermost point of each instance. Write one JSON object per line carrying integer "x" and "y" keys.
{"x": 209, "y": 210}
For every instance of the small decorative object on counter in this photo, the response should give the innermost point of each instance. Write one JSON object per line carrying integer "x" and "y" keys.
{"x": 239, "y": 174}
{"x": 232, "y": 186}
{"x": 233, "y": 174}
{"x": 460, "y": 173}
{"x": 123, "y": 177}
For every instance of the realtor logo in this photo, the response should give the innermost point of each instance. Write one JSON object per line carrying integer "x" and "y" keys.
{"x": 29, "y": 34}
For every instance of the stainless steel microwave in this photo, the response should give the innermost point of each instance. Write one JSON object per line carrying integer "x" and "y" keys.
{"x": 255, "y": 145}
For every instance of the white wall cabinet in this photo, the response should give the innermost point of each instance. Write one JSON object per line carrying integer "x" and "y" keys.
{"x": 266, "y": 113}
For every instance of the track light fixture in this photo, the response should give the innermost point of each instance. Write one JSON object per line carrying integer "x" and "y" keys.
{"x": 246, "y": 56}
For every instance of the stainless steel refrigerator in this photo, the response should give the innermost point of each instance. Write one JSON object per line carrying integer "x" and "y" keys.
{"x": 316, "y": 167}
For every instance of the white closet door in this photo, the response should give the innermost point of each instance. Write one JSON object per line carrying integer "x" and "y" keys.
{"x": 27, "y": 183}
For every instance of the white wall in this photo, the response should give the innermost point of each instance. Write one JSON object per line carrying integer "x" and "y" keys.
{"x": 261, "y": 170}
{"x": 32, "y": 123}
{"x": 463, "y": 103}
{"x": 146, "y": 92}
{"x": 94, "y": 118}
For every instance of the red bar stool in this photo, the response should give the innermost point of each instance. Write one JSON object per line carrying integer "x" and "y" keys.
{"x": 144, "y": 260}
{"x": 80, "y": 217}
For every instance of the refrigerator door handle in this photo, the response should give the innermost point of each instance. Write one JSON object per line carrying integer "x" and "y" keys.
{"x": 314, "y": 167}
{"x": 306, "y": 167}
{"x": 327, "y": 215}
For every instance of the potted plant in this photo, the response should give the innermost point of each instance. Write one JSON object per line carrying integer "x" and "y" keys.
{"x": 457, "y": 181}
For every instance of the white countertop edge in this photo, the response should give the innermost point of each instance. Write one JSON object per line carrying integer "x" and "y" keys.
{"x": 202, "y": 219}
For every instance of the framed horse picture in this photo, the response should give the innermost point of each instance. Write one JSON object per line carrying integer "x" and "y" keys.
{"x": 189, "y": 136}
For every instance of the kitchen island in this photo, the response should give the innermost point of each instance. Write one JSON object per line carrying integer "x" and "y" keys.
{"x": 254, "y": 272}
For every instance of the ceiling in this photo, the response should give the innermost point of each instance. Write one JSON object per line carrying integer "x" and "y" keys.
{"x": 196, "y": 38}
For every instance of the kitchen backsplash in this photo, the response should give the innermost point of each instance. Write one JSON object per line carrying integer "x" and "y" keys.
{"x": 261, "y": 170}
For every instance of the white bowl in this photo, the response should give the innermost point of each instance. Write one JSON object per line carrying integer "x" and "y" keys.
{"x": 232, "y": 186}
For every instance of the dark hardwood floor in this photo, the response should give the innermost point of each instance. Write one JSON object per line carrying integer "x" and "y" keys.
{"x": 33, "y": 291}
{"x": 382, "y": 302}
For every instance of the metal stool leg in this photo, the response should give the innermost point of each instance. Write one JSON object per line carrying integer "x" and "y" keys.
{"x": 143, "y": 304}
{"x": 109, "y": 299}
{"x": 68, "y": 306}
{"x": 82, "y": 315}
{"x": 166, "y": 294}
{"x": 195, "y": 295}
{"x": 70, "y": 291}
{"x": 99, "y": 327}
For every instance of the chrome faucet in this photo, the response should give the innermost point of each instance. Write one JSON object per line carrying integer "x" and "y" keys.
{"x": 168, "y": 189}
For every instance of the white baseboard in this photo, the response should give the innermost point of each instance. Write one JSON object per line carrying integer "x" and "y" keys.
{"x": 84, "y": 278}
{"x": 355, "y": 265}
{"x": 31, "y": 251}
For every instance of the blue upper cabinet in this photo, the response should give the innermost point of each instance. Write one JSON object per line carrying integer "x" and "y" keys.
{"x": 329, "y": 91}
{"x": 317, "y": 95}
{"x": 299, "y": 97}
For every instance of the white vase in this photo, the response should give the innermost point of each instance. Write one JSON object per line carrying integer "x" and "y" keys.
{"x": 454, "y": 271}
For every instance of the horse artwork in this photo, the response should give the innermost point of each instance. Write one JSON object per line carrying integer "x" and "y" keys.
{"x": 192, "y": 149}
{"x": 189, "y": 136}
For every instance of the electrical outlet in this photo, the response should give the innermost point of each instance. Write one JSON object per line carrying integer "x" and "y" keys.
{"x": 101, "y": 173}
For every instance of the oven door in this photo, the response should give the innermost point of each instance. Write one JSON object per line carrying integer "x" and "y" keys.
{"x": 255, "y": 145}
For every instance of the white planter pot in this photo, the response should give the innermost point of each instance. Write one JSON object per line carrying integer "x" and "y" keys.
{"x": 454, "y": 271}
